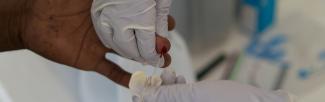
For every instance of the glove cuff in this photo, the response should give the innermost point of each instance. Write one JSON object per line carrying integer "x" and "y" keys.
{"x": 162, "y": 26}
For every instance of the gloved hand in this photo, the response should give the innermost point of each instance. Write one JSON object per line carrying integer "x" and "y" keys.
{"x": 129, "y": 27}
{"x": 157, "y": 90}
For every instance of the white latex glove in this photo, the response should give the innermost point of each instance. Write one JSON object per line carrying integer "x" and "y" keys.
{"x": 129, "y": 27}
{"x": 205, "y": 91}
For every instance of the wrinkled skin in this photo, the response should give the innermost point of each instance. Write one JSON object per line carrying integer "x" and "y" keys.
{"x": 62, "y": 31}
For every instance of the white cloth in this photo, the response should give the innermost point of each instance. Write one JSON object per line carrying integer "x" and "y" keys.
{"x": 150, "y": 89}
{"x": 129, "y": 27}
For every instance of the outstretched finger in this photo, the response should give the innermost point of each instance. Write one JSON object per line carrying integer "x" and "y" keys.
{"x": 113, "y": 72}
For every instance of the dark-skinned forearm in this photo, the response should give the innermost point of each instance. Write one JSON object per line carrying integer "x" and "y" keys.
{"x": 12, "y": 15}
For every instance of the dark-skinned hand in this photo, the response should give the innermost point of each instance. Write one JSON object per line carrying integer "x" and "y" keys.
{"x": 62, "y": 31}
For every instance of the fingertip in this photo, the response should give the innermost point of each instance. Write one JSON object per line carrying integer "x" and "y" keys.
{"x": 171, "y": 23}
{"x": 167, "y": 59}
{"x": 162, "y": 45}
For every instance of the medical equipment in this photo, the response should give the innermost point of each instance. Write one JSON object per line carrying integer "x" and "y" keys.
{"x": 256, "y": 16}
{"x": 261, "y": 63}
{"x": 292, "y": 62}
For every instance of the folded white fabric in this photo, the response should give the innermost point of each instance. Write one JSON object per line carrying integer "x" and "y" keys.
{"x": 169, "y": 88}
{"x": 129, "y": 26}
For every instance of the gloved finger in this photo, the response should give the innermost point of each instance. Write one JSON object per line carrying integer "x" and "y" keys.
{"x": 104, "y": 30}
{"x": 146, "y": 41}
{"x": 162, "y": 17}
{"x": 171, "y": 93}
{"x": 123, "y": 39}
{"x": 142, "y": 37}
{"x": 171, "y": 23}
{"x": 124, "y": 42}
{"x": 102, "y": 27}
{"x": 168, "y": 77}
{"x": 180, "y": 80}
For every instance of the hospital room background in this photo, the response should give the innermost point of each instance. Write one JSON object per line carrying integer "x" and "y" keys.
{"x": 270, "y": 44}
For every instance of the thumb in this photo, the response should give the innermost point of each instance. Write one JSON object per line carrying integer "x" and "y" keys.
{"x": 113, "y": 72}
{"x": 90, "y": 56}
